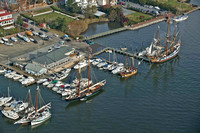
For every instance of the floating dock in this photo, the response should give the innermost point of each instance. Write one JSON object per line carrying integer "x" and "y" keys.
{"x": 135, "y": 55}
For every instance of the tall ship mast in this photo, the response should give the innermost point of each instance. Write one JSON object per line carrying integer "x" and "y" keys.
{"x": 90, "y": 90}
{"x": 158, "y": 53}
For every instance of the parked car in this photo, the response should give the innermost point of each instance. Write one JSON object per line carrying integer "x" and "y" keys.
{"x": 40, "y": 33}
{"x": 89, "y": 42}
{"x": 68, "y": 40}
{"x": 35, "y": 33}
{"x": 46, "y": 38}
{"x": 25, "y": 20}
{"x": 31, "y": 39}
{"x": 8, "y": 44}
{"x": 55, "y": 35}
{"x": 5, "y": 39}
{"x": 35, "y": 41}
{"x": 1, "y": 41}
{"x": 31, "y": 29}
{"x": 13, "y": 39}
{"x": 45, "y": 30}
{"x": 61, "y": 42}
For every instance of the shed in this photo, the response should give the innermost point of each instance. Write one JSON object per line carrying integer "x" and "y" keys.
{"x": 99, "y": 14}
{"x": 35, "y": 69}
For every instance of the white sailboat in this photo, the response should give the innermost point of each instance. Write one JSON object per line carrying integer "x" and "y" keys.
{"x": 29, "y": 112}
{"x": 42, "y": 114}
{"x": 81, "y": 64}
{"x": 4, "y": 100}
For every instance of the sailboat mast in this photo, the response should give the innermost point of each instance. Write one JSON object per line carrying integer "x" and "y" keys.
{"x": 8, "y": 91}
{"x": 88, "y": 68}
{"x": 127, "y": 61}
{"x": 168, "y": 21}
{"x": 79, "y": 75}
{"x": 36, "y": 102}
{"x": 174, "y": 34}
{"x": 158, "y": 35}
{"x": 133, "y": 62}
{"x": 28, "y": 101}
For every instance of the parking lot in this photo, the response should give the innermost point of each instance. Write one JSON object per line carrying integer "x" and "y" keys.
{"x": 145, "y": 8}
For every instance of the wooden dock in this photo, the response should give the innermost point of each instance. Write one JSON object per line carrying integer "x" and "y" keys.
{"x": 107, "y": 32}
{"x": 20, "y": 72}
{"x": 195, "y": 9}
{"x": 135, "y": 55}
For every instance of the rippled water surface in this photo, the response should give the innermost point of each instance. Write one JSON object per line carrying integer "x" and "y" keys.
{"x": 160, "y": 98}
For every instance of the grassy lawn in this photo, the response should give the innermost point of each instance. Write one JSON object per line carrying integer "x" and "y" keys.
{"x": 178, "y": 5}
{"x": 42, "y": 10}
{"x": 10, "y": 31}
{"x": 52, "y": 16}
{"x": 136, "y": 17}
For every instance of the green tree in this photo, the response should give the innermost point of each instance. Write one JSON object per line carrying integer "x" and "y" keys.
{"x": 143, "y": 2}
{"x": 94, "y": 9}
{"x": 19, "y": 20}
{"x": 112, "y": 16}
{"x": 88, "y": 12}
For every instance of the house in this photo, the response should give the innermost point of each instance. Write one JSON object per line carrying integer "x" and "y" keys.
{"x": 6, "y": 19}
{"x": 35, "y": 69}
{"x": 102, "y": 2}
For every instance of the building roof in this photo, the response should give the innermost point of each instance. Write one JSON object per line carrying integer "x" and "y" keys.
{"x": 53, "y": 56}
{"x": 99, "y": 13}
{"x": 5, "y": 14}
{"x": 6, "y": 19}
{"x": 34, "y": 67}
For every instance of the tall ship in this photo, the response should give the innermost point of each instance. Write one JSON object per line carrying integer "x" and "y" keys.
{"x": 91, "y": 89}
{"x": 181, "y": 18}
{"x": 129, "y": 70}
{"x": 158, "y": 53}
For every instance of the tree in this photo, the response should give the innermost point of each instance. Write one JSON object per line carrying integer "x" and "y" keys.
{"x": 143, "y": 2}
{"x": 112, "y": 16}
{"x": 88, "y": 12}
{"x": 94, "y": 9}
{"x": 19, "y": 20}
{"x": 72, "y": 7}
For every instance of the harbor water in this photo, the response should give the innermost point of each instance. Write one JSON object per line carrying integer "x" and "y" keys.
{"x": 161, "y": 98}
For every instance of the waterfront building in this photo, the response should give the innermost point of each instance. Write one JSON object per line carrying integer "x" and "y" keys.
{"x": 35, "y": 69}
{"x": 54, "y": 59}
{"x": 6, "y": 19}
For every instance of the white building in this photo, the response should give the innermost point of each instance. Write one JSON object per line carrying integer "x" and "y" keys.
{"x": 102, "y": 2}
{"x": 6, "y": 18}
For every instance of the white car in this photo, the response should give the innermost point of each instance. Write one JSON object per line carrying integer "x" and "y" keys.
{"x": 31, "y": 39}
{"x": 35, "y": 33}
{"x": 55, "y": 35}
{"x": 4, "y": 39}
{"x": 1, "y": 41}
{"x": 8, "y": 44}
{"x": 13, "y": 39}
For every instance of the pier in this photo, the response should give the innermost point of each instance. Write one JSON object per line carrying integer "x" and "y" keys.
{"x": 20, "y": 72}
{"x": 107, "y": 32}
{"x": 135, "y": 55}
{"x": 132, "y": 27}
{"x": 195, "y": 9}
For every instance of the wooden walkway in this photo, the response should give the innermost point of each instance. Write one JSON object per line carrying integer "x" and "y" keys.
{"x": 22, "y": 72}
{"x": 108, "y": 32}
{"x": 135, "y": 55}
{"x": 195, "y": 9}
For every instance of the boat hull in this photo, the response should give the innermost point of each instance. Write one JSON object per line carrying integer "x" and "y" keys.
{"x": 169, "y": 57}
{"x": 95, "y": 89}
{"x": 37, "y": 122}
{"x": 125, "y": 75}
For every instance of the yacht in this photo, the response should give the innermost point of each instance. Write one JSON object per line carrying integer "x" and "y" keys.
{"x": 9, "y": 113}
{"x": 117, "y": 70}
{"x": 81, "y": 64}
